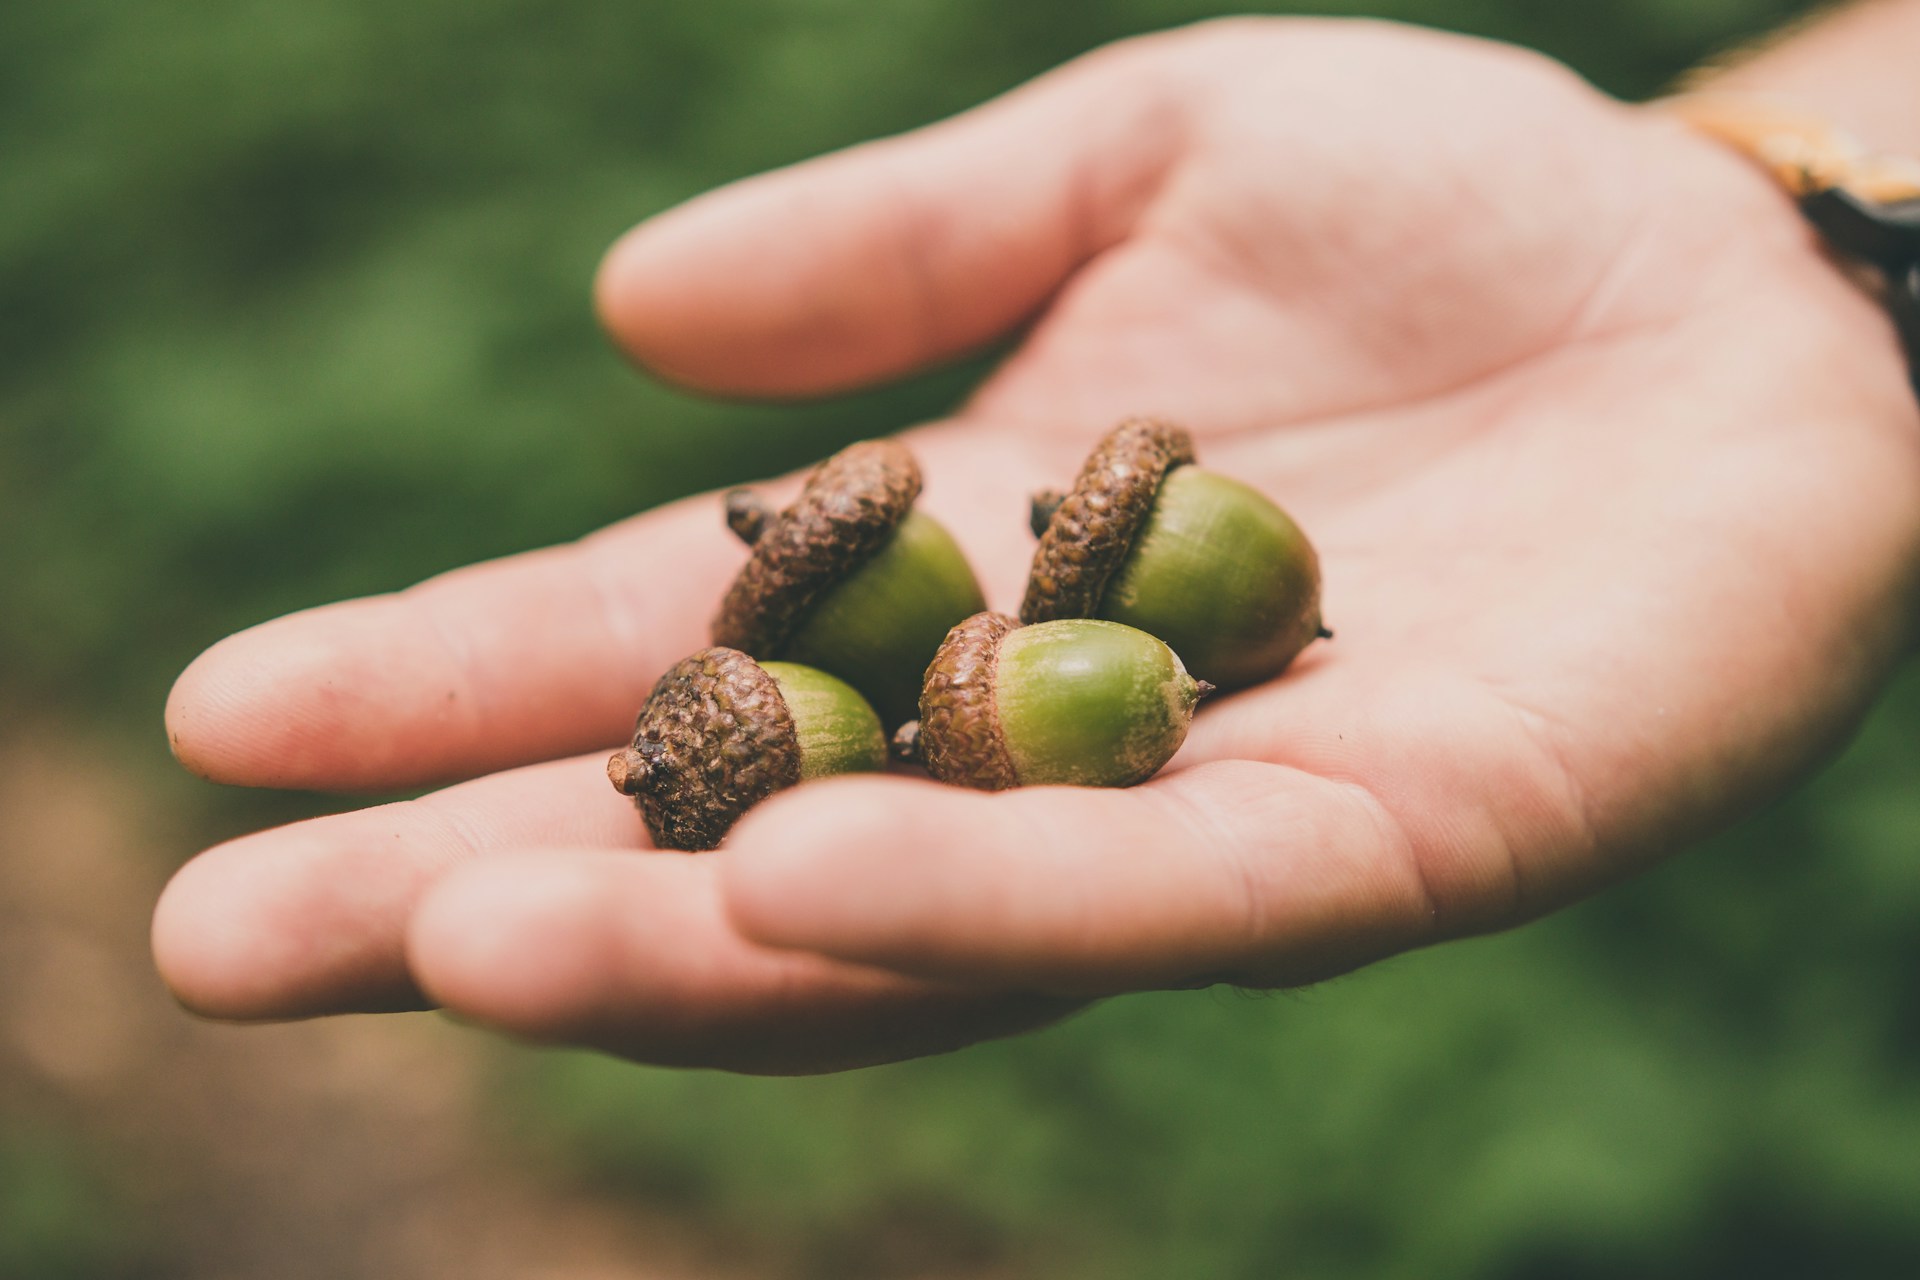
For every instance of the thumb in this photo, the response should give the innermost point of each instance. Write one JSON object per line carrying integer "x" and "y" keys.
{"x": 1232, "y": 871}
{"x": 870, "y": 262}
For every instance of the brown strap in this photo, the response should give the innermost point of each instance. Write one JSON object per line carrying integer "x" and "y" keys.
{"x": 1803, "y": 153}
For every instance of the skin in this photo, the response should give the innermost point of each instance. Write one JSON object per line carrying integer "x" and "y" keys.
{"x": 1615, "y": 481}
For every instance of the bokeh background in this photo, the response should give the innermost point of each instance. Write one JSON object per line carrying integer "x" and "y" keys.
{"x": 293, "y": 306}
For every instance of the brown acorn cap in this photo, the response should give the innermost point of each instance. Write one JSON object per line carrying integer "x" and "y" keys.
{"x": 1093, "y": 528}
{"x": 714, "y": 739}
{"x": 960, "y": 739}
{"x": 849, "y": 508}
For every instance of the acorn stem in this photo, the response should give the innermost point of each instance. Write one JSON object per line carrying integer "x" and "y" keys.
{"x": 628, "y": 770}
{"x": 1323, "y": 634}
{"x": 747, "y": 515}
{"x": 1040, "y": 512}
{"x": 906, "y": 743}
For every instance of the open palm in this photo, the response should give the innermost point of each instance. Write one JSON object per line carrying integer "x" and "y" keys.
{"x": 1615, "y": 482}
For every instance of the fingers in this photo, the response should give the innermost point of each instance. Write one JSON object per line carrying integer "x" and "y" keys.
{"x": 868, "y": 263}
{"x": 527, "y": 658}
{"x": 633, "y": 954}
{"x": 605, "y": 943}
{"x": 1230, "y": 871}
{"x": 310, "y": 918}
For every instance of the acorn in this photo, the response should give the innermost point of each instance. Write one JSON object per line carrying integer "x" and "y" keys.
{"x": 721, "y": 732}
{"x": 850, "y": 578}
{"x": 1208, "y": 564}
{"x": 1078, "y": 702}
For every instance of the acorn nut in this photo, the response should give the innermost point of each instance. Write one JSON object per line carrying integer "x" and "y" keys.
{"x": 1206, "y": 563}
{"x": 1079, "y": 702}
{"x": 721, "y": 732}
{"x": 850, "y": 578}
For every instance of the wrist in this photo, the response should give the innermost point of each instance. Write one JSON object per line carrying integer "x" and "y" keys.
{"x": 1791, "y": 111}
{"x": 1849, "y": 67}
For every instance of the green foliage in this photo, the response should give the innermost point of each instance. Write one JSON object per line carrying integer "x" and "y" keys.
{"x": 293, "y": 305}
{"x": 57, "y": 1221}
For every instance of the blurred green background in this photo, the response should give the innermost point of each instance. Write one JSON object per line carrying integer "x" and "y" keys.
{"x": 293, "y": 306}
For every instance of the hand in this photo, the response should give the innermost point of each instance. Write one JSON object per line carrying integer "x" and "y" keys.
{"x": 1615, "y": 481}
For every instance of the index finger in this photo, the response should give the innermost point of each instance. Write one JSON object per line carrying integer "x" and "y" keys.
{"x": 529, "y": 658}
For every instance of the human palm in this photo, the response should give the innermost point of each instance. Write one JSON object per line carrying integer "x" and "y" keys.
{"x": 1616, "y": 486}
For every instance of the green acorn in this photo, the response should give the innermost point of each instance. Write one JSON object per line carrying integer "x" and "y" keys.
{"x": 721, "y": 732}
{"x": 1079, "y": 702}
{"x": 850, "y": 578}
{"x": 1208, "y": 564}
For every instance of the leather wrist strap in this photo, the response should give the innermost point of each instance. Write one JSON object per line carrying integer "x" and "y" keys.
{"x": 1866, "y": 207}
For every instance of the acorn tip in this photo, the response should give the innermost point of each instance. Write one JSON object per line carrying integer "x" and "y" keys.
{"x": 627, "y": 770}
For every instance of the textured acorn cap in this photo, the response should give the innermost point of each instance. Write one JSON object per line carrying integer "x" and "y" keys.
{"x": 850, "y": 506}
{"x": 715, "y": 739}
{"x": 960, "y": 740}
{"x": 1093, "y": 527}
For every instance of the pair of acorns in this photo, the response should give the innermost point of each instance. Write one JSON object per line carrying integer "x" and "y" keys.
{"x": 855, "y": 611}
